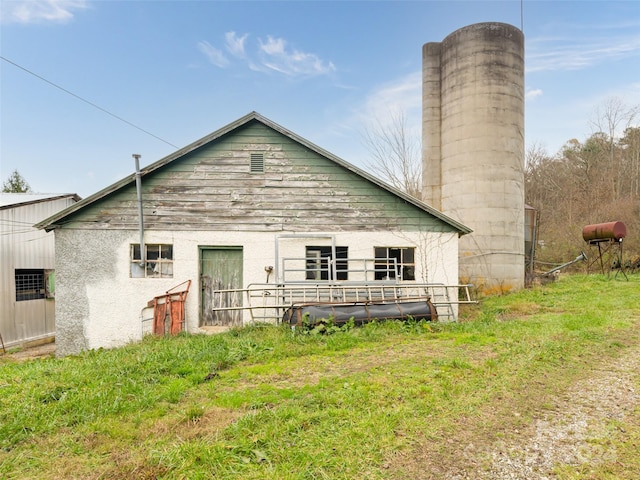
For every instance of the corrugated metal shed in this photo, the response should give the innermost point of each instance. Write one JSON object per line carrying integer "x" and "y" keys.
{"x": 27, "y": 261}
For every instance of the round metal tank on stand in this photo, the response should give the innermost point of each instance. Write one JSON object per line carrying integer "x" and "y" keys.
{"x": 473, "y": 147}
{"x": 599, "y": 232}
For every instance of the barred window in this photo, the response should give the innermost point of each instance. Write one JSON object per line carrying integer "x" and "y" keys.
{"x": 158, "y": 261}
{"x": 395, "y": 263}
{"x": 30, "y": 284}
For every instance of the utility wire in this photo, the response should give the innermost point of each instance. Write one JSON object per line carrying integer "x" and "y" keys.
{"x": 8, "y": 221}
{"x": 86, "y": 101}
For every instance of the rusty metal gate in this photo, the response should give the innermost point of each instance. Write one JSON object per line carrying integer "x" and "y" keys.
{"x": 168, "y": 310}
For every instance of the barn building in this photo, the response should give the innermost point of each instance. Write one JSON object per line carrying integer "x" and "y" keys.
{"x": 246, "y": 209}
{"x": 27, "y": 266}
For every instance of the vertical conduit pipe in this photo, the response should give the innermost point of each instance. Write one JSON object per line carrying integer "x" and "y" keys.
{"x": 136, "y": 156}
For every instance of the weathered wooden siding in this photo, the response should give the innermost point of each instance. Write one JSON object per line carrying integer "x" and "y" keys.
{"x": 212, "y": 188}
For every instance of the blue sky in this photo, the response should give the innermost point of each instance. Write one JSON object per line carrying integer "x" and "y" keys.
{"x": 180, "y": 70}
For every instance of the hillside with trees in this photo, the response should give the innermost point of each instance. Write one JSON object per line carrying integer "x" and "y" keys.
{"x": 593, "y": 181}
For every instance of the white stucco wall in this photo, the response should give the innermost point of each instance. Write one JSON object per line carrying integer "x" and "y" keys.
{"x": 98, "y": 304}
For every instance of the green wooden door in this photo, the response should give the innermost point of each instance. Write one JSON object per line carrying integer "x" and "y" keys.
{"x": 220, "y": 269}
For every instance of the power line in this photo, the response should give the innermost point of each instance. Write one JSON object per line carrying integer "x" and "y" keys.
{"x": 7, "y": 221}
{"x": 86, "y": 101}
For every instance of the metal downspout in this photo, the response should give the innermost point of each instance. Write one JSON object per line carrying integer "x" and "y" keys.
{"x": 136, "y": 156}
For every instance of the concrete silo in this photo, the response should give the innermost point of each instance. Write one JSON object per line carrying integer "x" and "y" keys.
{"x": 473, "y": 147}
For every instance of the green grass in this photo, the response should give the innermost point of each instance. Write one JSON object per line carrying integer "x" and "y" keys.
{"x": 263, "y": 402}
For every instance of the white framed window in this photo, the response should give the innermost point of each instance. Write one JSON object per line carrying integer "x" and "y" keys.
{"x": 158, "y": 261}
{"x": 319, "y": 264}
{"x": 395, "y": 263}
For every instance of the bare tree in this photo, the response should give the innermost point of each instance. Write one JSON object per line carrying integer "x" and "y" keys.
{"x": 630, "y": 148}
{"x": 590, "y": 181}
{"x": 15, "y": 184}
{"x": 536, "y": 159}
{"x": 395, "y": 153}
{"x": 611, "y": 119}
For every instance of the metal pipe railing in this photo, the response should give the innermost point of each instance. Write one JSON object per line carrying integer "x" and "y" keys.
{"x": 277, "y": 298}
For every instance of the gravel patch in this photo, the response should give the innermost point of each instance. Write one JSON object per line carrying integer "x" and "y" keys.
{"x": 575, "y": 432}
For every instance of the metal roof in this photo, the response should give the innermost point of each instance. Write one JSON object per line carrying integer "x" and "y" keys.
{"x": 12, "y": 200}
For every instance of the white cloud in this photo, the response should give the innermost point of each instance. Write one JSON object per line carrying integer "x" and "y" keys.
{"x": 235, "y": 44}
{"x": 275, "y": 55}
{"x": 404, "y": 92}
{"x": 270, "y": 55}
{"x": 533, "y": 93}
{"x": 38, "y": 11}
{"x": 548, "y": 54}
{"x": 402, "y": 96}
{"x": 214, "y": 55}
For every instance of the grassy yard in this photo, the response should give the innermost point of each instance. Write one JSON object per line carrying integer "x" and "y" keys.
{"x": 381, "y": 401}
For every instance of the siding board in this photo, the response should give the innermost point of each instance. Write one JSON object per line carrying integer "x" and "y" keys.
{"x": 211, "y": 188}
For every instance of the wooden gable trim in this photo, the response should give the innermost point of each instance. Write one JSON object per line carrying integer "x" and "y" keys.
{"x": 62, "y": 217}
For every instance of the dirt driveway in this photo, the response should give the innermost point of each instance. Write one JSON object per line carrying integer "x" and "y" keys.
{"x": 573, "y": 428}
{"x": 29, "y": 353}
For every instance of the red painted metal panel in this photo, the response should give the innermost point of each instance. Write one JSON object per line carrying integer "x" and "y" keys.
{"x": 159, "y": 315}
{"x": 604, "y": 231}
{"x": 171, "y": 302}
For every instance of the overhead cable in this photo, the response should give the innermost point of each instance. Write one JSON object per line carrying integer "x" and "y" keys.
{"x": 86, "y": 101}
